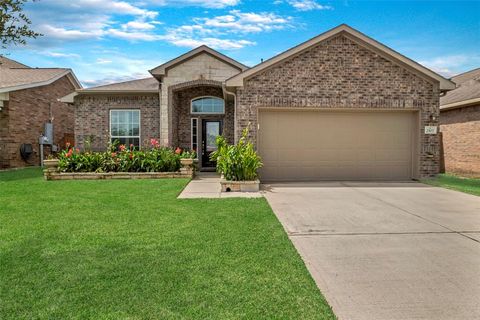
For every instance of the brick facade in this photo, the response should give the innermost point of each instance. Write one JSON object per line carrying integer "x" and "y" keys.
{"x": 92, "y": 117}
{"x": 201, "y": 67}
{"x": 181, "y": 124}
{"x": 461, "y": 140}
{"x": 340, "y": 73}
{"x": 23, "y": 117}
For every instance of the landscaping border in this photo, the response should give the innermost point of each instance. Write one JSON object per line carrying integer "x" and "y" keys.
{"x": 51, "y": 173}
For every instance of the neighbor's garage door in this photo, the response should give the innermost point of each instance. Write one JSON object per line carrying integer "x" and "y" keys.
{"x": 335, "y": 145}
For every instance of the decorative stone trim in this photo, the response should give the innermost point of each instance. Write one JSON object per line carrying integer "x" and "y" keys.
{"x": 240, "y": 186}
{"x": 49, "y": 175}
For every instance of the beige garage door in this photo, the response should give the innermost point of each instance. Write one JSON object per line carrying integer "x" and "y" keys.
{"x": 336, "y": 145}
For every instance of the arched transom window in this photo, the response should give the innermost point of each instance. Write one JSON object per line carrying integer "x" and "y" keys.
{"x": 208, "y": 105}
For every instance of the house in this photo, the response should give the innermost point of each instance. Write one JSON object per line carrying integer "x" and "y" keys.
{"x": 460, "y": 125}
{"x": 340, "y": 106}
{"x": 28, "y": 100}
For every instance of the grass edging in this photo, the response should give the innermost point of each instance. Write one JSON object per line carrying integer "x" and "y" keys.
{"x": 466, "y": 185}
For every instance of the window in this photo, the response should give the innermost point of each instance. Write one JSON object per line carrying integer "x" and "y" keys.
{"x": 195, "y": 135}
{"x": 208, "y": 105}
{"x": 125, "y": 127}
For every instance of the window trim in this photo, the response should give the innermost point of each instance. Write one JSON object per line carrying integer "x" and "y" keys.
{"x": 139, "y": 126}
{"x": 191, "y": 136}
{"x": 202, "y": 97}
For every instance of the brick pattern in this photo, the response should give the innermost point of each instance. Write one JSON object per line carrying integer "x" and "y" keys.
{"x": 201, "y": 67}
{"x": 92, "y": 117}
{"x": 340, "y": 73}
{"x": 181, "y": 115}
{"x": 461, "y": 140}
{"x": 24, "y": 115}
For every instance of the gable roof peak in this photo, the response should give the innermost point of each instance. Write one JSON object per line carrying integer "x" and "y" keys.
{"x": 162, "y": 69}
{"x": 445, "y": 84}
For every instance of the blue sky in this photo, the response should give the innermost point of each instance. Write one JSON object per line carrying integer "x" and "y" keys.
{"x": 105, "y": 41}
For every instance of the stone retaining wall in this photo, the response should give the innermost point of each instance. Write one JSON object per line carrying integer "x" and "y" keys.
{"x": 53, "y": 175}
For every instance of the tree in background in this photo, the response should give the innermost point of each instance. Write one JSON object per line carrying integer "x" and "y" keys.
{"x": 14, "y": 24}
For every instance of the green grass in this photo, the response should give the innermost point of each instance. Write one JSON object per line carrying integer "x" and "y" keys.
{"x": 128, "y": 249}
{"x": 467, "y": 185}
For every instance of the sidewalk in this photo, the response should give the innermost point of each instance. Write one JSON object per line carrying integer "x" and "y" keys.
{"x": 207, "y": 185}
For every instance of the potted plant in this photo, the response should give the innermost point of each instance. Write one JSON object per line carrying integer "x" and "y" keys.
{"x": 186, "y": 157}
{"x": 51, "y": 163}
{"x": 238, "y": 164}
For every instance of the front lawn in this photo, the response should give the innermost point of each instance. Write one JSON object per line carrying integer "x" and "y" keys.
{"x": 128, "y": 249}
{"x": 467, "y": 185}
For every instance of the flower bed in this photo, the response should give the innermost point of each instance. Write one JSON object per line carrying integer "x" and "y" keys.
{"x": 121, "y": 163}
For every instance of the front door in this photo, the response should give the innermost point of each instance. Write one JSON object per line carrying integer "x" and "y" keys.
{"x": 210, "y": 131}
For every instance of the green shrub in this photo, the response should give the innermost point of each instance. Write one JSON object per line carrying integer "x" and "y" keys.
{"x": 238, "y": 162}
{"x": 121, "y": 159}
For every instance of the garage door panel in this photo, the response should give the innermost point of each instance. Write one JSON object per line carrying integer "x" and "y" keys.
{"x": 330, "y": 145}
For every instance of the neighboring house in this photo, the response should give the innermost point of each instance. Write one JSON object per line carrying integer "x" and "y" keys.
{"x": 28, "y": 100}
{"x": 460, "y": 125}
{"x": 340, "y": 106}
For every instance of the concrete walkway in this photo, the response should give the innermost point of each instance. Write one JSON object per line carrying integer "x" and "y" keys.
{"x": 207, "y": 185}
{"x": 386, "y": 250}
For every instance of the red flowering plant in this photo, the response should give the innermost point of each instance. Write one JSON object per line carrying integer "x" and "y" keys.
{"x": 120, "y": 158}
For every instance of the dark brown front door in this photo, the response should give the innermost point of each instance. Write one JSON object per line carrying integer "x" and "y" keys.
{"x": 210, "y": 131}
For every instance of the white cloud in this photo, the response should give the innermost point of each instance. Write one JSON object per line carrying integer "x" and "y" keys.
{"x": 211, "y": 31}
{"x": 305, "y": 5}
{"x": 68, "y": 34}
{"x": 103, "y": 61}
{"x": 132, "y": 35}
{"x": 247, "y": 22}
{"x": 59, "y": 54}
{"x": 62, "y": 21}
{"x": 139, "y": 25}
{"x": 113, "y": 68}
{"x": 214, "y": 4}
{"x": 451, "y": 65}
{"x": 222, "y": 44}
{"x": 105, "y": 6}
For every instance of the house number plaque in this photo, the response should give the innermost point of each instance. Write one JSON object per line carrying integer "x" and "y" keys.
{"x": 430, "y": 129}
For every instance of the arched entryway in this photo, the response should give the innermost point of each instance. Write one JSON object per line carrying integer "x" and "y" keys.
{"x": 199, "y": 111}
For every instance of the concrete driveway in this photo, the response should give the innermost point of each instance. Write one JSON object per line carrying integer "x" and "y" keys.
{"x": 386, "y": 250}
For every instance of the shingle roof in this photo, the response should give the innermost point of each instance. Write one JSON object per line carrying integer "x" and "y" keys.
{"x": 9, "y": 63}
{"x": 146, "y": 84}
{"x": 17, "y": 76}
{"x": 468, "y": 88}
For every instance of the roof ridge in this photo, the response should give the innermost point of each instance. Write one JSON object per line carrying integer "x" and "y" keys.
{"x": 464, "y": 73}
{"x": 126, "y": 81}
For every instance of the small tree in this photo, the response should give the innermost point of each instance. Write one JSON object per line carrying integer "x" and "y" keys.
{"x": 14, "y": 24}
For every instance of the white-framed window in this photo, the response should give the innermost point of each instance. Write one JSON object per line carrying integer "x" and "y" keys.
{"x": 194, "y": 130}
{"x": 125, "y": 126}
{"x": 210, "y": 105}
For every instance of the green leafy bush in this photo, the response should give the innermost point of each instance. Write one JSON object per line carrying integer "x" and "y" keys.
{"x": 238, "y": 162}
{"x": 121, "y": 159}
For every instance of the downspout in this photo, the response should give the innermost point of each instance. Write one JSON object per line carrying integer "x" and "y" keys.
{"x": 224, "y": 87}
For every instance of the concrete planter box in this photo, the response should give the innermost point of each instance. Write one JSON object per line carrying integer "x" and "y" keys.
{"x": 240, "y": 186}
{"x": 51, "y": 164}
{"x": 186, "y": 162}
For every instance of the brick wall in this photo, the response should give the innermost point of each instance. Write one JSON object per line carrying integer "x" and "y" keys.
{"x": 201, "y": 67}
{"x": 340, "y": 73}
{"x": 92, "y": 117}
{"x": 181, "y": 131}
{"x": 461, "y": 140}
{"x": 24, "y": 115}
